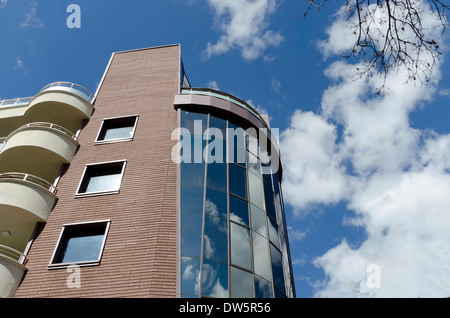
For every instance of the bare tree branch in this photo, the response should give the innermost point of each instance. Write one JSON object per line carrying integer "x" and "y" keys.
{"x": 390, "y": 34}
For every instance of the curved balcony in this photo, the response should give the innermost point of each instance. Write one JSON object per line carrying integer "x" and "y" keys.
{"x": 39, "y": 149}
{"x": 63, "y": 103}
{"x": 24, "y": 201}
{"x": 11, "y": 271}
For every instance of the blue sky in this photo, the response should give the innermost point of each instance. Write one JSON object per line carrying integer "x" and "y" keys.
{"x": 366, "y": 177}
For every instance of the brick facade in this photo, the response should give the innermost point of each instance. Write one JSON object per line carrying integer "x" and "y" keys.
{"x": 140, "y": 254}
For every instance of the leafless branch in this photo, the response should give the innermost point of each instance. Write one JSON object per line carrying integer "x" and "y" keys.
{"x": 390, "y": 34}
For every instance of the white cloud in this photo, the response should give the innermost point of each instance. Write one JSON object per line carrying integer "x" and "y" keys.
{"x": 19, "y": 65}
{"x": 244, "y": 26}
{"x": 213, "y": 85}
{"x": 362, "y": 150}
{"x": 31, "y": 18}
{"x": 3, "y": 3}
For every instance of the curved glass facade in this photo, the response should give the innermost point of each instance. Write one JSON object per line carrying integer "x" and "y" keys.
{"x": 233, "y": 232}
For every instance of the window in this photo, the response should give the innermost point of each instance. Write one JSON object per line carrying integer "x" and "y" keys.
{"x": 102, "y": 178}
{"x": 81, "y": 244}
{"x": 117, "y": 129}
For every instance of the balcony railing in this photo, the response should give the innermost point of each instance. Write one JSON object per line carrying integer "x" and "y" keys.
{"x": 75, "y": 88}
{"x": 12, "y": 254}
{"x": 61, "y": 129}
{"x": 15, "y": 102}
{"x": 24, "y": 177}
{"x": 66, "y": 86}
{"x": 225, "y": 96}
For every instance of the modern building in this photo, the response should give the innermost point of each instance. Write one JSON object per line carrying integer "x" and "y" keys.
{"x": 147, "y": 188}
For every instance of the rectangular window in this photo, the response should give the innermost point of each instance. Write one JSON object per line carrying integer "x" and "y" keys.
{"x": 117, "y": 129}
{"x": 102, "y": 178}
{"x": 80, "y": 244}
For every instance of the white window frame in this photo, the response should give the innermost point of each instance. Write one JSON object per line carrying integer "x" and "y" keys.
{"x": 95, "y": 262}
{"x": 109, "y": 141}
{"x": 97, "y": 193}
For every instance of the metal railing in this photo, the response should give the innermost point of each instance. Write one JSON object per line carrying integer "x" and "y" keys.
{"x": 12, "y": 254}
{"x": 15, "y": 102}
{"x": 71, "y": 87}
{"x": 225, "y": 96}
{"x": 61, "y": 129}
{"x": 80, "y": 90}
{"x": 28, "y": 178}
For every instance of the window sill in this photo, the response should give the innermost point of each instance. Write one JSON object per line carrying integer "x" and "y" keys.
{"x": 74, "y": 264}
{"x": 95, "y": 194}
{"x": 112, "y": 141}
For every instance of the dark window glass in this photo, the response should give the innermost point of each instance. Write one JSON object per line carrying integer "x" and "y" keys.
{"x": 191, "y": 199}
{"x": 267, "y": 177}
{"x": 102, "y": 178}
{"x": 193, "y": 174}
{"x": 215, "y": 279}
{"x": 117, "y": 128}
{"x": 240, "y": 246}
{"x": 190, "y": 276}
{"x": 217, "y": 176}
{"x": 239, "y": 210}
{"x": 241, "y": 283}
{"x": 195, "y": 122}
{"x": 191, "y": 234}
{"x": 263, "y": 288}
{"x": 270, "y": 204}
{"x": 277, "y": 268}
{"x": 238, "y": 181}
{"x": 216, "y": 203}
{"x": 215, "y": 244}
{"x": 236, "y": 144}
{"x": 80, "y": 243}
{"x": 273, "y": 233}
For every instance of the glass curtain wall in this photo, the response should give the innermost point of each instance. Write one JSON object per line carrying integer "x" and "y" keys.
{"x": 233, "y": 233}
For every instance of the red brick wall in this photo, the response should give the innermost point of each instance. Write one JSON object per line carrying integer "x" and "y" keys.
{"x": 140, "y": 254}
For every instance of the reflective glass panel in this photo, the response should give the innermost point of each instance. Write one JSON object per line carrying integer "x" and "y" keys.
{"x": 256, "y": 191}
{"x": 239, "y": 210}
{"x": 215, "y": 279}
{"x": 238, "y": 181}
{"x": 253, "y": 164}
{"x": 191, "y": 234}
{"x": 263, "y": 288}
{"x": 108, "y": 182}
{"x": 277, "y": 268}
{"x": 215, "y": 242}
{"x": 270, "y": 203}
{"x": 240, "y": 246}
{"x": 236, "y": 144}
{"x": 196, "y": 123}
{"x": 191, "y": 199}
{"x": 193, "y": 174}
{"x": 190, "y": 276}
{"x": 241, "y": 283}
{"x": 258, "y": 220}
{"x": 216, "y": 203}
{"x": 261, "y": 256}
{"x": 82, "y": 248}
{"x": 273, "y": 233}
{"x": 217, "y": 176}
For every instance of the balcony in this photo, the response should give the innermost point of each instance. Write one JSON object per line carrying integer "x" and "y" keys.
{"x": 11, "y": 271}
{"x": 24, "y": 201}
{"x": 39, "y": 149}
{"x": 62, "y": 103}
